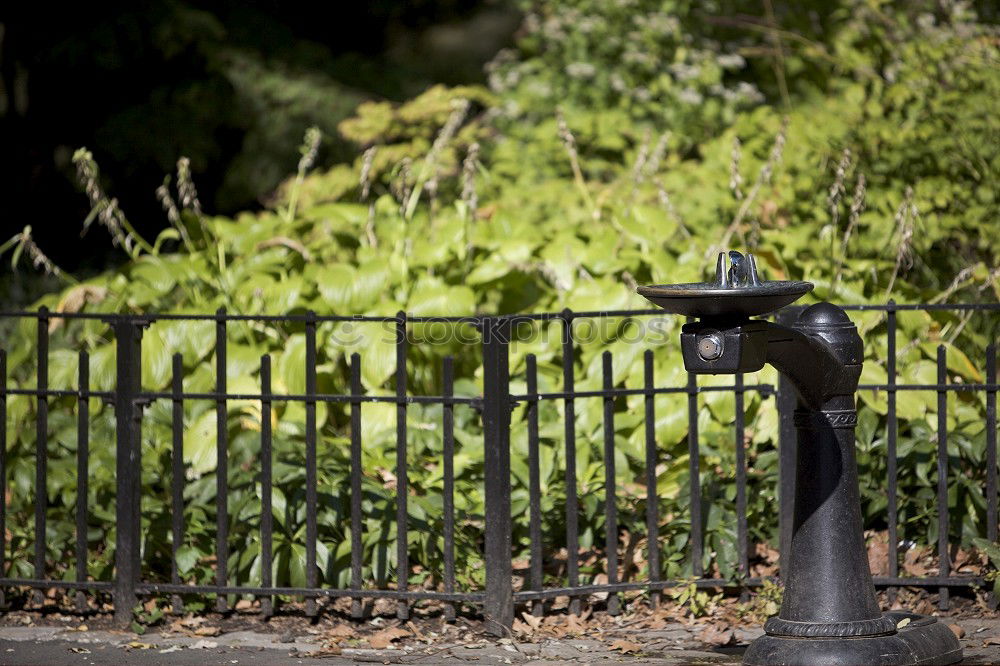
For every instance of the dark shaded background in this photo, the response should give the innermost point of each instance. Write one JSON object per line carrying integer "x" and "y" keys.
{"x": 232, "y": 85}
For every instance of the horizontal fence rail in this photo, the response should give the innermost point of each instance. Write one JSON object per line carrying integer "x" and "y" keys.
{"x": 510, "y": 396}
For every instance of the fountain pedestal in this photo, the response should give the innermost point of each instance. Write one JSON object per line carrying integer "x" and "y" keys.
{"x": 829, "y": 613}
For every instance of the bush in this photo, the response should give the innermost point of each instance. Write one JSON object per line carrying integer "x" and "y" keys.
{"x": 561, "y": 188}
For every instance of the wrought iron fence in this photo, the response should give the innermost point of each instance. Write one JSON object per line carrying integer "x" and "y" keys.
{"x": 494, "y": 406}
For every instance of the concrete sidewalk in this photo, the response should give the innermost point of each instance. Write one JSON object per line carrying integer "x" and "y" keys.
{"x": 24, "y": 646}
{"x": 671, "y": 646}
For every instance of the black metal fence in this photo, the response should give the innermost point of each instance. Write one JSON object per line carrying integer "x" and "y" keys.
{"x": 499, "y": 596}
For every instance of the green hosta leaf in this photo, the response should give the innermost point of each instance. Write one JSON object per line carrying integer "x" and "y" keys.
{"x": 103, "y": 364}
{"x": 493, "y": 268}
{"x": 377, "y": 420}
{"x": 194, "y": 339}
{"x": 154, "y": 273}
{"x": 370, "y": 283}
{"x": 873, "y": 373}
{"x": 187, "y": 557}
{"x": 336, "y": 287}
{"x": 432, "y": 297}
{"x": 290, "y": 365}
{"x": 200, "y": 444}
{"x": 157, "y": 363}
{"x": 957, "y": 361}
{"x": 671, "y": 419}
{"x": 376, "y": 345}
{"x": 63, "y": 369}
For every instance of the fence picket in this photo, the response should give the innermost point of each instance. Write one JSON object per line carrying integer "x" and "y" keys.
{"x": 652, "y": 460}
{"x": 891, "y": 457}
{"x": 41, "y": 449}
{"x": 82, "y": 472}
{"x": 694, "y": 478}
{"x": 356, "y": 472}
{"x": 944, "y": 561}
{"x": 310, "y": 462}
{"x": 266, "y": 462}
{"x": 402, "y": 479}
{"x": 222, "y": 463}
{"x": 742, "y": 545}
{"x": 448, "y": 461}
{"x": 610, "y": 485}
{"x": 534, "y": 485}
{"x": 177, "y": 475}
{"x": 569, "y": 425}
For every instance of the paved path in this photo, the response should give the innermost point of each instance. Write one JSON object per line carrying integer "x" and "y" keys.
{"x": 672, "y": 646}
{"x": 54, "y": 647}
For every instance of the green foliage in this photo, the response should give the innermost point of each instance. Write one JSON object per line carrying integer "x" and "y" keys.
{"x": 695, "y": 602}
{"x": 462, "y": 204}
{"x": 766, "y": 601}
{"x": 615, "y": 63}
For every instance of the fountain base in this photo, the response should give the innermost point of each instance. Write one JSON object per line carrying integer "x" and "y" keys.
{"x": 924, "y": 640}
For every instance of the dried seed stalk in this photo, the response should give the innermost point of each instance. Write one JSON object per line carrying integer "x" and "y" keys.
{"x": 469, "y": 195}
{"x": 906, "y": 216}
{"x": 656, "y": 157}
{"x": 641, "y": 157}
{"x": 367, "y": 159}
{"x": 430, "y": 166}
{"x": 186, "y": 190}
{"x": 107, "y": 211}
{"x": 309, "y": 149}
{"x": 763, "y": 178}
{"x": 735, "y": 178}
{"x": 173, "y": 214}
{"x": 857, "y": 206}
{"x": 837, "y": 188}
{"x": 569, "y": 142}
{"x": 23, "y": 242}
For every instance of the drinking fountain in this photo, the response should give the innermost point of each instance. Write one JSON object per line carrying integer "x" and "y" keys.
{"x": 829, "y": 614}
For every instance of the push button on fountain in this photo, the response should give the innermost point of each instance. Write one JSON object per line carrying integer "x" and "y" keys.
{"x": 710, "y": 346}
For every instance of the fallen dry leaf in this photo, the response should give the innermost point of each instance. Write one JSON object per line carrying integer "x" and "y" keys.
{"x": 328, "y": 651}
{"x": 415, "y": 631}
{"x": 383, "y": 639}
{"x": 531, "y": 620}
{"x": 341, "y": 631}
{"x": 520, "y": 628}
{"x": 957, "y": 630}
{"x": 207, "y": 631}
{"x": 992, "y": 640}
{"x": 878, "y": 556}
{"x": 913, "y": 564}
{"x": 626, "y": 646}
{"x": 718, "y": 635}
{"x": 136, "y": 645}
{"x": 79, "y": 650}
{"x": 577, "y": 624}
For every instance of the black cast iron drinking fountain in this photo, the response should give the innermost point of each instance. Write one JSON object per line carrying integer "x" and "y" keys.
{"x": 829, "y": 614}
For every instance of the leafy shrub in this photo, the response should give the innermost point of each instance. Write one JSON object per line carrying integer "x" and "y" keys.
{"x": 871, "y": 186}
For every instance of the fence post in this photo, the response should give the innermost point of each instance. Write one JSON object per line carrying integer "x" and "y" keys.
{"x": 786, "y": 400}
{"x": 499, "y": 606}
{"x": 128, "y": 468}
